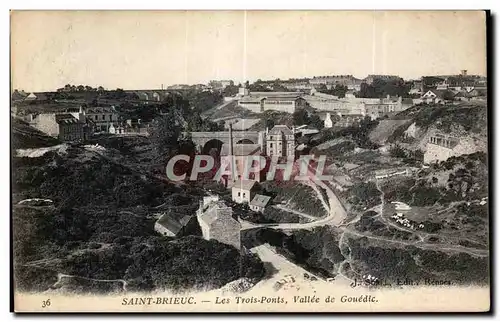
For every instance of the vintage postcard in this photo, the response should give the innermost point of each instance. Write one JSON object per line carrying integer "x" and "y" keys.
{"x": 249, "y": 161}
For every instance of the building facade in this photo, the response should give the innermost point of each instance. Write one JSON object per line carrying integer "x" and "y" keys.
{"x": 280, "y": 141}
{"x": 440, "y": 147}
{"x": 216, "y": 222}
{"x": 243, "y": 191}
{"x": 103, "y": 117}
{"x": 259, "y": 203}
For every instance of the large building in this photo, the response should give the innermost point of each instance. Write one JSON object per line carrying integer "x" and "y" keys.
{"x": 387, "y": 106}
{"x": 280, "y": 141}
{"x": 330, "y": 81}
{"x": 440, "y": 147}
{"x": 103, "y": 117}
{"x": 259, "y": 102}
{"x": 65, "y": 126}
{"x": 216, "y": 222}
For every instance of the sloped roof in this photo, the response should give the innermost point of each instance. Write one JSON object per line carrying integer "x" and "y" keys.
{"x": 251, "y": 99}
{"x": 215, "y": 210}
{"x": 99, "y": 109}
{"x": 260, "y": 200}
{"x": 244, "y": 184}
{"x": 66, "y": 118}
{"x": 280, "y": 128}
{"x": 18, "y": 95}
{"x": 172, "y": 224}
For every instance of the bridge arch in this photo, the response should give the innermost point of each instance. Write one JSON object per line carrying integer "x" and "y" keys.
{"x": 212, "y": 144}
{"x": 245, "y": 141}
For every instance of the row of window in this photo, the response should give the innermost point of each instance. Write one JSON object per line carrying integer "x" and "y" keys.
{"x": 102, "y": 117}
{"x": 279, "y": 102}
{"x": 244, "y": 194}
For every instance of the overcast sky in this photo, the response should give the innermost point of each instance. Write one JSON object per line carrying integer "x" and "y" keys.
{"x": 142, "y": 49}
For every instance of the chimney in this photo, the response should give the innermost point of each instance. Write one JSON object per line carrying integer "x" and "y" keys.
{"x": 230, "y": 139}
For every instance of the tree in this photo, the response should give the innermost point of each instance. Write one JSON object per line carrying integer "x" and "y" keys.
{"x": 448, "y": 96}
{"x": 80, "y": 88}
{"x": 339, "y": 91}
{"x": 164, "y": 134}
{"x": 316, "y": 122}
{"x": 300, "y": 117}
{"x": 269, "y": 123}
{"x": 100, "y": 89}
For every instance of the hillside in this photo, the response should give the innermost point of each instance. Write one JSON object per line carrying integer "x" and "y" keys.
{"x": 24, "y": 136}
{"x": 98, "y": 234}
{"x": 413, "y": 127}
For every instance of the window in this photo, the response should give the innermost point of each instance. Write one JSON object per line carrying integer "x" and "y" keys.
{"x": 103, "y": 117}
{"x": 270, "y": 145}
{"x": 110, "y": 117}
{"x": 239, "y": 194}
{"x": 244, "y": 195}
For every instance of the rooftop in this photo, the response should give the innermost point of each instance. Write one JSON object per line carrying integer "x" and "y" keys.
{"x": 215, "y": 210}
{"x": 244, "y": 184}
{"x": 66, "y": 118}
{"x": 280, "y": 128}
{"x": 260, "y": 200}
{"x": 173, "y": 224}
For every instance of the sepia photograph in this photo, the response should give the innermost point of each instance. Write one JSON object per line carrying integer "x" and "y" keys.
{"x": 249, "y": 161}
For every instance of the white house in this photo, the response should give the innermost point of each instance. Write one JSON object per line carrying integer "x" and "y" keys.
{"x": 243, "y": 190}
{"x": 328, "y": 121}
{"x": 259, "y": 203}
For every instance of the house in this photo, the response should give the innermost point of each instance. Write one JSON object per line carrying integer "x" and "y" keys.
{"x": 328, "y": 121}
{"x": 440, "y": 147}
{"x": 172, "y": 225}
{"x": 18, "y": 96}
{"x": 280, "y": 141}
{"x": 259, "y": 203}
{"x": 216, "y": 222}
{"x": 70, "y": 128}
{"x": 243, "y": 190}
{"x": 436, "y": 96}
{"x": 385, "y": 106}
{"x": 65, "y": 126}
{"x": 38, "y": 97}
{"x": 349, "y": 120}
{"x": 103, "y": 117}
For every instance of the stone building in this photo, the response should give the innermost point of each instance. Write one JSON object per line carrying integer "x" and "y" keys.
{"x": 64, "y": 126}
{"x": 280, "y": 141}
{"x": 440, "y": 147}
{"x": 103, "y": 117}
{"x": 216, "y": 222}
